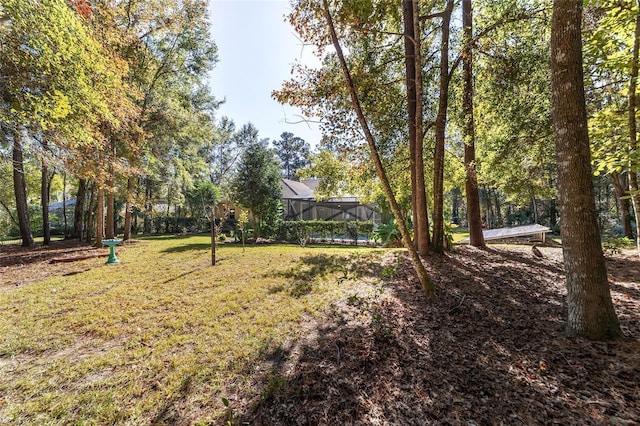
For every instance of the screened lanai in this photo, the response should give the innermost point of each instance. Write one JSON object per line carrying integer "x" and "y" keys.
{"x": 300, "y": 204}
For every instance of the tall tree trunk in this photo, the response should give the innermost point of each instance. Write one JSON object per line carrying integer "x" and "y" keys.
{"x": 553, "y": 213}
{"x": 489, "y": 209}
{"x": 455, "y": 206}
{"x": 623, "y": 204}
{"x": 64, "y": 206}
{"x": 427, "y": 285}
{"x": 92, "y": 212}
{"x": 590, "y": 309}
{"x": 633, "y": 131}
{"x": 534, "y": 205}
{"x": 128, "y": 209}
{"x": 20, "y": 192}
{"x": 44, "y": 195}
{"x": 471, "y": 179}
{"x": 440, "y": 127}
{"x": 78, "y": 213}
{"x": 498, "y": 208}
{"x": 413, "y": 79}
{"x": 100, "y": 217}
{"x": 148, "y": 207}
{"x": 110, "y": 227}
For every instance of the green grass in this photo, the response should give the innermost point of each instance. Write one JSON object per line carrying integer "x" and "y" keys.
{"x": 163, "y": 332}
{"x": 459, "y": 234}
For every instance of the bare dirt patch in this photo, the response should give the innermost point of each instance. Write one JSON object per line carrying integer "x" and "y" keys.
{"x": 25, "y": 265}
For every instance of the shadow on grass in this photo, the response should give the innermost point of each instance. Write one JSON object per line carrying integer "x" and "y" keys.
{"x": 488, "y": 349}
{"x": 184, "y": 274}
{"x": 187, "y": 247}
{"x": 302, "y": 274}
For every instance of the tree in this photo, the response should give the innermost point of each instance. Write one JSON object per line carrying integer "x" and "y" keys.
{"x": 59, "y": 80}
{"x": 169, "y": 52}
{"x": 20, "y": 191}
{"x": 612, "y": 45}
{"x": 332, "y": 174}
{"x": 425, "y": 281}
{"x": 257, "y": 183}
{"x": 223, "y": 152}
{"x": 513, "y": 134}
{"x": 632, "y": 119}
{"x": 293, "y": 153}
{"x": 476, "y": 237}
{"x": 590, "y": 309}
{"x": 413, "y": 79}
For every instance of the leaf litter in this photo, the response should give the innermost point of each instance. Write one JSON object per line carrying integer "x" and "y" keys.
{"x": 489, "y": 348}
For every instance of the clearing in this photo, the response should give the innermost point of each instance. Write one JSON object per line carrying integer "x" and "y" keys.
{"x": 317, "y": 335}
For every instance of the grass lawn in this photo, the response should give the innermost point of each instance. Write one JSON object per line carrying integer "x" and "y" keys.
{"x": 163, "y": 332}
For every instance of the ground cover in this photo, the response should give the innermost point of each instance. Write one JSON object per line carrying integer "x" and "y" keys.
{"x": 159, "y": 338}
{"x": 287, "y": 335}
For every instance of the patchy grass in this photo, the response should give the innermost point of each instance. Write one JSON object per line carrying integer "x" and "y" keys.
{"x": 158, "y": 338}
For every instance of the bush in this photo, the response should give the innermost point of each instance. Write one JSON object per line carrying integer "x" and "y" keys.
{"x": 388, "y": 234}
{"x": 612, "y": 246}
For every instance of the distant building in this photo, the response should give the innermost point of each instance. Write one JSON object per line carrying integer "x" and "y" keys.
{"x": 300, "y": 204}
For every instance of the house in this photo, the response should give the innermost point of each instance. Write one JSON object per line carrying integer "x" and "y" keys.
{"x": 300, "y": 204}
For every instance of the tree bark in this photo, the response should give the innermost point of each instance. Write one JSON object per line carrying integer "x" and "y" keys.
{"x": 534, "y": 205}
{"x": 212, "y": 217}
{"x": 20, "y": 192}
{"x": 623, "y": 204}
{"x": 78, "y": 213}
{"x": 44, "y": 196}
{"x": 110, "y": 226}
{"x": 99, "y": 217}
{"x": 91, "y": 214}
{"x": 590, "y": 309}
{"x": 441, "y": 124}
{"x": 498, "y": 208}
{"x": 427, "y": 285}
{"x": 413, "y": 79}
{"x": 476, "y": 238}
{"x": 64, "y": 205}
{"x": 128, "y": 209}
{"x": 148, "y": 207}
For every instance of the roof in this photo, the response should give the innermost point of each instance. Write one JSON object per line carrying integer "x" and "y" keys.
{"x": 516, "y": 231}
{"x": 292, "y": 189}
{"x": 303, "y": 190}
{"x": 57, "y": 206}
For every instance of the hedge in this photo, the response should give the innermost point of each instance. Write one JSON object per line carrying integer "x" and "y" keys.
{"x": 301, "y": 230}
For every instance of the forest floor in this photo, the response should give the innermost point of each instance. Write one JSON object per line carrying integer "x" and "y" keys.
{"x": 489, "y": 348}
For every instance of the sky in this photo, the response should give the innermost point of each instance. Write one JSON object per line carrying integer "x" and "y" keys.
{"x": 256, "y": 48}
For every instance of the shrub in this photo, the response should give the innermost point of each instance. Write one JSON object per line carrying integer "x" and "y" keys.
{"x": 612, "y": 246}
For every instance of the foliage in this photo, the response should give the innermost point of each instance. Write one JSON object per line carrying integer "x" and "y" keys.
{"x": 613, "y": 246}
{"x": 608, "y": 52}
{"x": 388, "y": 234}
{"x": 514, "y": 137}
{"x": 243, "y": 222}
{"x": 332, "y": 175}
{"x": 225, "y": 150}
{"x": 449, "y": 235}
{"x": 293, "y": 153}
{"x": 202, "y": 198}
{"x": 256, "y": 185}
